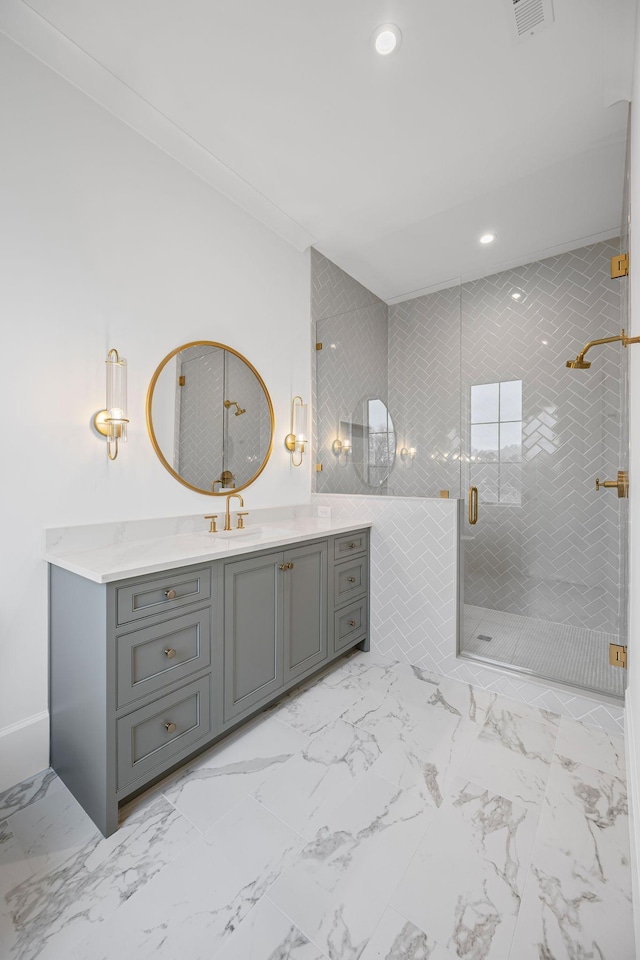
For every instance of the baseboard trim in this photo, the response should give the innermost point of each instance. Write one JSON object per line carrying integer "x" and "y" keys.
{"x": 24, "y": 749}
{"x": 633, "y": 785}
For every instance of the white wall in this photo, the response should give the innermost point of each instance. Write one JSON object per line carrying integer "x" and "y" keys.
{"x": 107, "y": 242}
{"x": 632, "y": 712}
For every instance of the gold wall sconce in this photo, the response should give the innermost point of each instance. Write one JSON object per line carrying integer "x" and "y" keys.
{"x": 112, "y": 422}
{"x": 296, "y": 439}
{"x": 408, "y": 454}
{"x": 341, "y": 446}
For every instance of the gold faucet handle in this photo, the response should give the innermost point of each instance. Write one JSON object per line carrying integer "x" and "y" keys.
{"x": 212, "y": 526}
{"x": 240, "y": 517}
{"x": 621, "y": 484}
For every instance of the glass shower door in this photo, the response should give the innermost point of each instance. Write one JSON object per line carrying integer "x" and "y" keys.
{"x": 541, "y": 569}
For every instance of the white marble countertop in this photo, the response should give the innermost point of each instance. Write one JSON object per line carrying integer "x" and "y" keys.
{"x": 127, "y": 556}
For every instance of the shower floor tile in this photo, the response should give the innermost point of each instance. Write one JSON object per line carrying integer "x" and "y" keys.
{"x": 556, "y": 651}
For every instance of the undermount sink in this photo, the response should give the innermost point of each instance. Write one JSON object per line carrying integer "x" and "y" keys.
{"x": 264, "y": 532}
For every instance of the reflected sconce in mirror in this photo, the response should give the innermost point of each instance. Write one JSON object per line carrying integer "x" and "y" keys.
{"x": 112, "y": 422}
{"x": 342, "y": 446}
{"x": 296, "y": 439}
{"x": 408, "y": 454}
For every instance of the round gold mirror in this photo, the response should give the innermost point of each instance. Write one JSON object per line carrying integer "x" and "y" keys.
{"x": 210, "y": 418}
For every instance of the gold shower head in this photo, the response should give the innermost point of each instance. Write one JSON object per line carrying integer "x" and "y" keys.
{"x": 579, "y": 363}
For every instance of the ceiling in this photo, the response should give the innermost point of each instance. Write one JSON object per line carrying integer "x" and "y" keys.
{"x": 392, "y": 166}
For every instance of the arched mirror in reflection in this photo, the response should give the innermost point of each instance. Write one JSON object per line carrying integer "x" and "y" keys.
{"x": 210, "y": 417}
{"x": 371, "y": 439}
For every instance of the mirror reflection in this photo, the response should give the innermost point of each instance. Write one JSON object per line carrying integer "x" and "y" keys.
{"x": 373, "y": 440}
{"x": 210, "y": 417}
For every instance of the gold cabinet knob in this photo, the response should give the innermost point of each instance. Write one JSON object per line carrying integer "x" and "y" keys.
{"x": 351, "y": 579}
{"x": 290, "y": 566}
{"x": 351, "y": 623}
{"x": 352, "y": 546}
{"x": 170, "y": 727}
{"x": 170, "y": 652}
{"x": 170, "y": 594}
{"x": 284, "y": 566}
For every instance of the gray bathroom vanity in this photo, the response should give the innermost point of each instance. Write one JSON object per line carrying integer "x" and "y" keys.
{"x": 147, "y": 670}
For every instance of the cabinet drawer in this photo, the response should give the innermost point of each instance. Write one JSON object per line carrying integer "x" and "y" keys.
{"x": 150, "y": 597}
{"x": 147, "y": 738}
{"x": 153, "y": 657}
{"x": 350, "y": 545}
{"x": 350, "y": 580}
{"x": 350, "y": 623}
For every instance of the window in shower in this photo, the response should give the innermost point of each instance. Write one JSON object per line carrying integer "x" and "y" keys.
{"x": 495, "y": 448}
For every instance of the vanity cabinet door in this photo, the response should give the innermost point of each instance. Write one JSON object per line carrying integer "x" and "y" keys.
{"x": 305, "y": 609}
{"x": 253, "y": 623}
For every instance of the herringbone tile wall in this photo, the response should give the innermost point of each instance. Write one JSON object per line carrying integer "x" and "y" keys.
{"x": 556, "y": 554}
{"x": 208, "y": 437}
{"x": 414, "y": 611}
{"x": 424, "y": 392}
{"x": 352, "y": 367}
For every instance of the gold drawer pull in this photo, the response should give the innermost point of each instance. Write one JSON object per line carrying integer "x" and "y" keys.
{"x": 170, "y": 727}
{"x": 351, "y": 579}
{"x": 170, "y": 594}
{"x": 352, "y": 546}
{"x": 170, "y": 652}
{"x": 351, "y": 623}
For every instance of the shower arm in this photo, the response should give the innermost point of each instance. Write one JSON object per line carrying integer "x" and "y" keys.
{"x": 581, "y": 364}
{"x": 233, "y": 403}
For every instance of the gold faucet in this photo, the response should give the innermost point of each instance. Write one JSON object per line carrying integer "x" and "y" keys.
{"x": 227, "y": 516}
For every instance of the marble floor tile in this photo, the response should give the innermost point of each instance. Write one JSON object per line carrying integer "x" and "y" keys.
{"x": 266, "y": 934}
{"x": 14, "y": 865}
{"x": 27, "y": 792}
{"x": 332, "y": 892}
{"x": 428, "y": 755}
{"x": 304, "y": 791}
{"x": 382, "y": 811}
{"x": 191, "y": 906}
{"x": 52, "y": 831}
{"x": 465, "y": 883}
{"x": 445, "y": 693}
{"x": 396, "y": 938}
{"x": 512, "y": 755}
{"x": 592, "y": 746}
{"x": 316, "y": 707}
{"x": 232, "y": 770}
{"x": 578, "y": 901}
{"x": 55, "y": 909}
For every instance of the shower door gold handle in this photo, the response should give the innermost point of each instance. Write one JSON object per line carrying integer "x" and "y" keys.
{"x": 621, "y": 484}
{"x": 473, "y": 505}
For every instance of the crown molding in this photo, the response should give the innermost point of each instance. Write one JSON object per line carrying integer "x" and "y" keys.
{"x": 21, "y": 24}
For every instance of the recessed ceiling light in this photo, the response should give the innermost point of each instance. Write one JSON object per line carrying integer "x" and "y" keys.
{"x": 386, "y": 38}
{"x": 487, "y": 238}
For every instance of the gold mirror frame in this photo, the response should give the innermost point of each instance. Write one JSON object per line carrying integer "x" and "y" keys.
{"x": 152, "y": 436}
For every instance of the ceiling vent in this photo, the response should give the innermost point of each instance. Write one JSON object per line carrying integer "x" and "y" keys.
{"x": 529, "y": 16}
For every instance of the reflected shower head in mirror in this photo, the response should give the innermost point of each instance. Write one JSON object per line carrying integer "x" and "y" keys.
{"x": 232, "y": 403}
